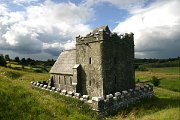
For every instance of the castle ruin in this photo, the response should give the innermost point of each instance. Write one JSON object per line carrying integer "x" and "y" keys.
{"x": 101, "y": 64}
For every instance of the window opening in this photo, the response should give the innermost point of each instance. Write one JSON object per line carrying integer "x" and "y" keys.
{"x": 115, "y": 80}
{"x": 90, "y": 83}
{"x": 90, "y": 60}
{"x": 70, "y": 80}
{"x": 64, "y": 80}
{"x": 59, "y": 79}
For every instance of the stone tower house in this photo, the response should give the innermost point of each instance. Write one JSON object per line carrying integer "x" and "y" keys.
{"x": 102, "y": 63}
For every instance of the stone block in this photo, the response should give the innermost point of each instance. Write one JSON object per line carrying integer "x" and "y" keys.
{"x": 37, "y": 84}
{"x": 41, "y": 85}
{"x": 34, "y": 83}
{"x": 89, "y": 101}
{"x": 117, "y": 94}
{"x": 109, "y": 97}
{"x": 53, "y": 88}
{"x": 58, "y": 90}
{"x": 86, "y": 97}
{"x": 97, "y": 98}
{"x": 77, "y": 95}
{"x": 70, "y": 93}
{"x": 64, "y": 92}
{"x": 45, "y": 86}
{"x": 49, "y": 87}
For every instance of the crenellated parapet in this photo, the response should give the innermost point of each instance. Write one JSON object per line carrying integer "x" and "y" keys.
{"x": 103, "y": 34}
{"x": 109, "y": 103}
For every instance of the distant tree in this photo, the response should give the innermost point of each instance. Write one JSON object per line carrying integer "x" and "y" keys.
{"x": 33, "y": 62}
{"x": 2, "y": 61}
{"x": 7, "y": 58}
{"x": 50, "y": 62}
{"x": 23, "y": 61}
{"x": 16, "y": 59}
{"x": 28, "y": 61}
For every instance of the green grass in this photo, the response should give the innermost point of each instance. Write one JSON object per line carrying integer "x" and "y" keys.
{"x": 172, "y": 84}
{"x": 37, "y": 69}
{"x": 167, "y": 70}
{"x": 169, "y": 77}
{"x": 20, "y": 101}
{"x": 164, "y": 105}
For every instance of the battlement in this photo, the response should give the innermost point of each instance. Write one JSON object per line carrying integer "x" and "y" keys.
{"x": 108, "y": 104}
{"x": 102, "y": 34}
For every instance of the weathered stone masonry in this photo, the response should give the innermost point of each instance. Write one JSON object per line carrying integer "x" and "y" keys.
{"x": 101, "y": 64}
{"x": 101, "y": 67}
{"x": 110, "y": 103}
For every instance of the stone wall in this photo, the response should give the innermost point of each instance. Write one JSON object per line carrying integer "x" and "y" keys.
{"x": 118, "y": 62}
{"x": 108, "y": 104}
{"x": 107, "y": 62}
{"x": 64, "y": 82}
{"x": 88, "y": 54}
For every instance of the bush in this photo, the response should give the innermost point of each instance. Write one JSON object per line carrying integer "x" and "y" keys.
{"x": 137, "y": 81}
{"x": 155, "y": 81}
{"x": 2, "y": 61}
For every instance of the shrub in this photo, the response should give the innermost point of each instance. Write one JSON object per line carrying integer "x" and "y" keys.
{"x": 2, "y": 61}
{"x": 155, "y": 81}
{"x": 137, "y": 81}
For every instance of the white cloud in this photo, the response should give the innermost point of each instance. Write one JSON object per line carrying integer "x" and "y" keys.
{"x": 121, "y": 4}
{"x": 20, "y": 2}
{"x": 156, "y": 29}
{"x": 70, "y": 45}
{"x": 47, "y": 27}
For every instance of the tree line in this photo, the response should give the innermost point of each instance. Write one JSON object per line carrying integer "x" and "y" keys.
{"x": 5, "y": 59}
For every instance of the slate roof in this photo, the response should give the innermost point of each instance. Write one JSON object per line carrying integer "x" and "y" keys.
{"x": 65, "y": 62}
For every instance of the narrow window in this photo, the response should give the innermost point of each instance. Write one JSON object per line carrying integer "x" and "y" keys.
{"x": 115, "y": 80}
{"x": 115, "y": 60}
{"x": 59, "y": 79}
{"x": 64, "y": 80}
{"x": 90, "y": 60}
{"x": 90, "y": 83}
{"x": 70, "y": 80}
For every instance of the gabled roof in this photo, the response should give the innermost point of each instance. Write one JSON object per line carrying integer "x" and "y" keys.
{"x": 65, "y": 62}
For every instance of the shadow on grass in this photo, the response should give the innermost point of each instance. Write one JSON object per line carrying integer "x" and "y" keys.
{"x": 147, "y": 106}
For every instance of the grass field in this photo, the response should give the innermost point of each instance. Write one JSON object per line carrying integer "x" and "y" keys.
{"x": 20, "y": 101}
{"x": 169, "y": 77}
{"x": 37, "y": 69}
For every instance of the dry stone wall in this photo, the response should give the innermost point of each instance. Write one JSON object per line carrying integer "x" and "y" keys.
{"x": 108, "y": 104}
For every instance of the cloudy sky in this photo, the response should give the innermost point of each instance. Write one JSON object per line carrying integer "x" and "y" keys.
{"x": 40, "y": 29}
